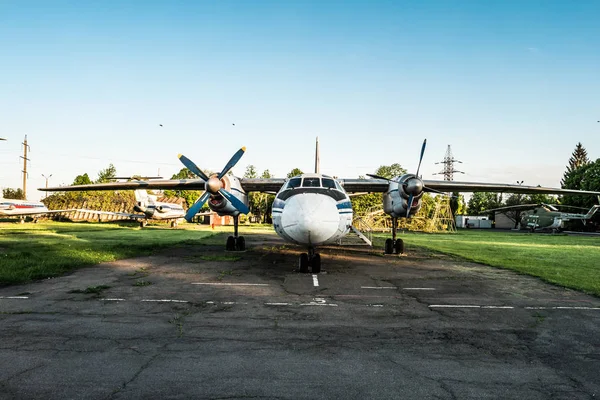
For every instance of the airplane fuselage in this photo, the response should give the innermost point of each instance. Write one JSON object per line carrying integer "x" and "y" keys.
{"x": 312, "y": 209}
{"x": 12, "y": 207}
{"x": 159, "y": 210}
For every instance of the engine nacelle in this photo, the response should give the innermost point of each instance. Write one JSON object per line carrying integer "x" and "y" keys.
{"x": 220, "y": 205}
{"x": 395, "y": 200}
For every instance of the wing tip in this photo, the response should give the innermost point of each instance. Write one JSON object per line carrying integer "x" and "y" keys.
{"x": 243, "y": 148}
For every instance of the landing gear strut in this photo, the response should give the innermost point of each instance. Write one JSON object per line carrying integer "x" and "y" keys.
{"x": 235, "y": 242}
{"x": 394, "y": 245}
{"x": 310, "y": 259}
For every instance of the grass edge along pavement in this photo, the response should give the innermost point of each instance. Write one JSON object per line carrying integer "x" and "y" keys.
{"x": 30, "y": 252}
{"x": 568, "y": 261}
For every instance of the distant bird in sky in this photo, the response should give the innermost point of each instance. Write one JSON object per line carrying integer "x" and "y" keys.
{"x": 233, "y": 124}
{"x": 2, "y": 138}
{"x": 159, "y": 124}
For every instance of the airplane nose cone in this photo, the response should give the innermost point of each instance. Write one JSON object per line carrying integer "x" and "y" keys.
{"x": 310, "y": 218}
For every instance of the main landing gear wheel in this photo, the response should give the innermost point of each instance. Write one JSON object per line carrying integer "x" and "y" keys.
{"x": 230, "y": 245}
{"x": 303, "y": 263}
{"x": 389, "y": 246}
{"x": 143, "y": 223}
{"x": 315, "y": 263}
{"x": 240, "y": 243}
{"x": 399, "y": 246}
{"x": 173, "y": 224}
{"x": 394, "y": 246}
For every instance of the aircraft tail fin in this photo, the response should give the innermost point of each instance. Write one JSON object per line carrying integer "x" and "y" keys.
{"x": 141, "y": 196}
{"x": 592, "y": 211}
{"x": 317, "y": 159}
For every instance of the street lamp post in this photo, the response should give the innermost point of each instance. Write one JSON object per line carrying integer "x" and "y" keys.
{"x": 47, "y": 177}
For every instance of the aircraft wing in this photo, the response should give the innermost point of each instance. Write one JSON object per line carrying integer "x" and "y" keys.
{"x": 511, "y": 208}
{"x": 380, "y": 185}
{"x": 26, "y": 214}
{"x": 262, "y": 184}
{"x": 174, "y": 184}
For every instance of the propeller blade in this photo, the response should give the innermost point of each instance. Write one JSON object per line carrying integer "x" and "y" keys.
{"x": 240, "y": 206}
{"x": 421, "y": 158}
{"x": 380, "y": 177}
{"x": 192, "y": 167}
{"x": 236, "y": 157}
{"x": 409, "y": 207}
{"x": 193, "y": 210}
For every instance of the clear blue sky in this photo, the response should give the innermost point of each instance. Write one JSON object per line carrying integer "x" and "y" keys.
{"x": 511, "y": 85}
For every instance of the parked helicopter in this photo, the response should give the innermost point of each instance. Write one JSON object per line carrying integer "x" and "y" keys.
{"x": 547, "y": 216}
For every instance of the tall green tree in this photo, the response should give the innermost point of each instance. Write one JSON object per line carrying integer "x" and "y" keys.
{"x": 481, "y": 201}
{"x": 457, "y": 204}
{"x": 586, "y": 177}
{"x": 254, "y": 198}
{"x": 267, "y": 200}
{"x": 107, "y": 174}
{"x": 294, "y": 172}
{"x": 16, "y": 194}
{"x": 390, "y": 171}
{"x": 82, "y": 180}
{"x": 578, "y": 159}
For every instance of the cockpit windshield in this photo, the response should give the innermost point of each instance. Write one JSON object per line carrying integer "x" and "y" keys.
{"x": 294, "y": 183}
{"x": 329, "y": 183}
{"x": 311, "y": 182}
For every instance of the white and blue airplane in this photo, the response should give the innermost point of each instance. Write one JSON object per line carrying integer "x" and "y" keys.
{"x": 311, "y": 209}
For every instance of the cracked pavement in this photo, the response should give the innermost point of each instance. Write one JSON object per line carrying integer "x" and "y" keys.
{"x": 189, "y": 323}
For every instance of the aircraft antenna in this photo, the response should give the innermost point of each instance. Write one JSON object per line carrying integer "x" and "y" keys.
{"x": 317, "y": 160}
{"x": 25, "y": 159}
{"x": 448, "y": 162}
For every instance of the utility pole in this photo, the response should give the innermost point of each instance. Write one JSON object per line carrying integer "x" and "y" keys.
{"x": 317, "y": 158}
{"x": 25, "y": 159}
{"x": 448, "y": 162}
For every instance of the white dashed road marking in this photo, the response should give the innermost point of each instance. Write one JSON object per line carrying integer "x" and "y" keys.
{"x": 165, "y": 301}
{"x": 394, "y": 287}
{"x": 229, "y": 284}
{"x": 14, "y": 297}
{"x": 315, "y": 280}
{"x": 378, "y": 287}
{"x": 562, "y": 308}
{"x": 452, "y": 306}
{"x": 112, "y": 299}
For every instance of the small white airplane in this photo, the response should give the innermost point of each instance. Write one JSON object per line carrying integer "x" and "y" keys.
{"x": 24, "y": 208}
{"x": 311, "y": 209}
{"x": 149, "y": 208}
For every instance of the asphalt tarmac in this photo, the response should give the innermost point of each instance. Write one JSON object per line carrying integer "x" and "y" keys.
{"x": 194, "y": 322}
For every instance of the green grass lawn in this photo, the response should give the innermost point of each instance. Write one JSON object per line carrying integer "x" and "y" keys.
{"x": 570, "y": 261}
{"x": 34, "y": 251}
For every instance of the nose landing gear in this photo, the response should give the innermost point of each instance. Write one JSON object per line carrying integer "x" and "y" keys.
{"x": 310, "y": 259}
